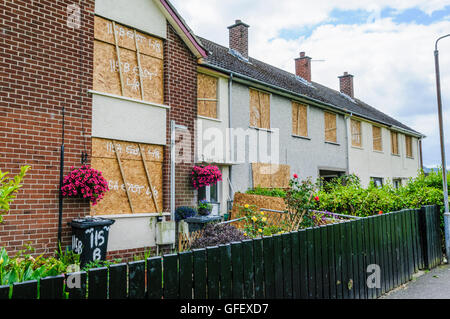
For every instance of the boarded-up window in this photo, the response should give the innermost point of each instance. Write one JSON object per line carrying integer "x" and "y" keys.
{"x": 271, "y": 175}
{"x": 408, "y": 140}
{"x": 127, "y": 62}
{"x": 394, "y": 143}
{"x": 330, "y": 127}
{"x": 259, "y": 109}
{"x": 356, "y": 133}
{"x": 207, "y": 95}
{"x": 377, "y": 139}
{"x": 299, "y": 119}
{"x": 134, "y": 175}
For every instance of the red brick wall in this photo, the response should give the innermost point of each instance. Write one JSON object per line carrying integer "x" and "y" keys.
{"x": 180, "y": 91}
{"x": 303, "y": 67}
{"x": 44, "y": 65}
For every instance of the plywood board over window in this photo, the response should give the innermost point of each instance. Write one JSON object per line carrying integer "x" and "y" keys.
{"x": 356, "y": 133}
{"x": 330, "y": 127}
{"x": 299, "y": 119}
{"x": 394, "y": 143}
{"x": 408, "y": 141}
{"x": 377, "y": 139}
{"x": 127, "y": 62}
{"x": 207, "y": 97}
{"x": 271, "y": 175}
{"x": 259, "y": 109}
{"x": 134, "y": 175}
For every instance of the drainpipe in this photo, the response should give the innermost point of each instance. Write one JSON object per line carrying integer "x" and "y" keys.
{"x": 173, "y": 127}
{"x": 347, "y": 128}
{"x": 231, "y": 144}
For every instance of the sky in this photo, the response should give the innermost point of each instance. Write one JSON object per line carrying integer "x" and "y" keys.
{"x": 387, "y": 45}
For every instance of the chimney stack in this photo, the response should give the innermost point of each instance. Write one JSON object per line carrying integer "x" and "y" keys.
{"x": 303, "y": 66}
{"x": 239, "y": 37}
{"x": 346, "y": 84}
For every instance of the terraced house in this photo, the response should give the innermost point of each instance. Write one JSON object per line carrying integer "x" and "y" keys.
{"x": 126, "y": 87}
{"x": 321, "y": 132}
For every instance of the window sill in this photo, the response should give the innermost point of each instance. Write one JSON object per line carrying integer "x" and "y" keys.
{"x": 357, "y": 147}
{"x": 379, "y": 152}
{"x": 129, "y": 99}
{"x": 301, "y": 137}
{"x": 410, "y": 157}
{"x": 262, "y": 129}
{"x": 209, "y": 118}
{"x": 332, "y": 143}
{"x": 397, "y": 155}
{"x": 135, "y": 215}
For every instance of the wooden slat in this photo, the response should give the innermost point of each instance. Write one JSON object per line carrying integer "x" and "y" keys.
{"x": 225, "y": 272}
{"x": 213, "y": 271}
{"x": 378, "y": 251}
{"x": 186, "y": 268}
{"x": 311, "y": 263}
{"x": 303, "y": 253}
{"x": 75, "y": 291}
{"x": 118, "y": 59}
{"x": 248, "y": 268}
{"x": 318, "y": 263}
{"x": 123, "y": 176}
{"x": 390, "y": 275}
{"x": 98, "y": 283}
{"x": 259, "y": 268}
{"x": 237, "y": 270}
{"x": 355, "y": 262}
{"x": 296, "y": 279}
{"x": 170, "y": 276}
{"x": 331, "y": 260}
{"x": 269, "y": 272}
{"x": 149, "y": 180}
{"x": 371, "y": 252}
{"x": 138, "y": 56}
{"x": 51, "y": 287}
{"x": 325, "y": 261}
{"x": 338, "y": 260}
{"x": 360, "y": 255}
{"x": 136, "y": 280}
{"x": 25, "y": 290}
{"x": 118, "y": 281}
{"x": 4, "y": 292}
{"x": 278, "y": 263}
{"x": 199, "y": 273}
{"x": 287, "y": 265}
{"x": 154, "y": 278}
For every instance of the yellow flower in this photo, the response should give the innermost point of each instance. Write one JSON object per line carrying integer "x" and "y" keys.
{"x": 246, "y": 206}
{"x": 1, "y": 260}
{"x": 245, "y": 234}
{"x": 262, "y": 213}
{"x": 264, "y": 219}
{"x": 260, "y": 230}
{"x": 254, "y": 218}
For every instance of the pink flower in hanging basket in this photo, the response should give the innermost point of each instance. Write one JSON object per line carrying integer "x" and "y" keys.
{"x": 86, "y": 182}
{"x": 202, "y": 176}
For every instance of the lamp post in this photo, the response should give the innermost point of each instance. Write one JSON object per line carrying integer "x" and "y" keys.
{"x": 444, "y": 166}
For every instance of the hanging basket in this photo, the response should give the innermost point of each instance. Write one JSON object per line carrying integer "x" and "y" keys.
{"x": 85, "y": 182}
{"x": 202, "y": 176}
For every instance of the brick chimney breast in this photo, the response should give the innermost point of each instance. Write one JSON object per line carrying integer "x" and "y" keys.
{"x": 346, "y": 84}
{"x": 238, "y": 37}
{"x": 303, "y": 66}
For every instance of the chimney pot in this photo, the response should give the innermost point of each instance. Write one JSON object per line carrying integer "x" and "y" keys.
{"x": 303, "y": 66}
{"x": 346, "y": 84}
{"x": 238, "y": 37}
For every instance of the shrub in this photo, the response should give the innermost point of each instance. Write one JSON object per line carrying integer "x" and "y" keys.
{"x": 184, "y": 212}
{"x": 218, "y": 234}
{"x": 256, "y": 223}
{"x": 8, "y": 188}
{"x": 272, "y": 192}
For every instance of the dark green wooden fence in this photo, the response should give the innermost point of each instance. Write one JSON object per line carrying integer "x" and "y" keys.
{"x": 339, "y": 261}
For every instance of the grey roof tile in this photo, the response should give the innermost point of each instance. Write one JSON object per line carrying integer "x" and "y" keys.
{"x": 221, "y": 57}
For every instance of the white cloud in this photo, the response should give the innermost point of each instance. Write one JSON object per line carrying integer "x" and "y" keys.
{"x": 393, "y": 63}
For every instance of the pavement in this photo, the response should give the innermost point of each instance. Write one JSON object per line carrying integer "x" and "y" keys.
{"x": 433, "y": 284}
